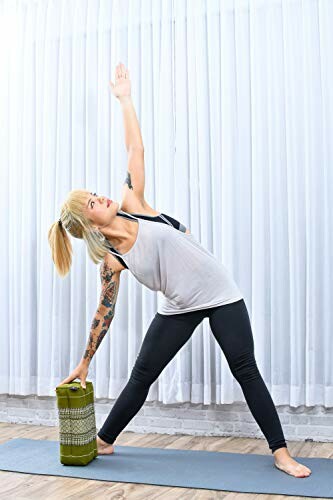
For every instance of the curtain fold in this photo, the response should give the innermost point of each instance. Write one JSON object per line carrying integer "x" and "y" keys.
{"x": 235, "y": 103}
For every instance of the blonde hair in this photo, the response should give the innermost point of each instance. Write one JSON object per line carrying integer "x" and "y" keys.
{"x": 78, "y": 225}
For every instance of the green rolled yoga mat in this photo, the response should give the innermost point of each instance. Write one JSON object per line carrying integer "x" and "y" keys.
{"x": 77, "y": 423}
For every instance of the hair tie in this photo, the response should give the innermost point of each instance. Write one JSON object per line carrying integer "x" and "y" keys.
{"x": 59, "y": 221}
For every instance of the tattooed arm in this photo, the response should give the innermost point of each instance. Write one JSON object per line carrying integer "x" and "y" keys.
{"x": 105, "y": 311}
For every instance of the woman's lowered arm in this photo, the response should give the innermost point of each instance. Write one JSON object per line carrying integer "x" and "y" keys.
{"x": 105, "y": 312}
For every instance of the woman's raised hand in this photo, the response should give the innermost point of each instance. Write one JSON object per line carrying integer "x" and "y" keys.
{"x": 122, "y": 85}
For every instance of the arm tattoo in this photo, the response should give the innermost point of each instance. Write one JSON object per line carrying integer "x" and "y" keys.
{"x": 105, "y": 312}
{"x": 128, "y": 181}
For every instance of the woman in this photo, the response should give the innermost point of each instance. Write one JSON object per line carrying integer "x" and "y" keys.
{"x": 164, "y": 256}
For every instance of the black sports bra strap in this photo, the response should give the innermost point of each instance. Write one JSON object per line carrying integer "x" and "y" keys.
{"x": 167, "y": 219}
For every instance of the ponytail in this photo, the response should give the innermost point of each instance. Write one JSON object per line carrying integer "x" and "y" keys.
{"x": 61, "y": 248}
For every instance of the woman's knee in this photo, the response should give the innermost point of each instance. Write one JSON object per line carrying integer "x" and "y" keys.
{"x": 244, "y": 367}
{"x": 142, "y": 374}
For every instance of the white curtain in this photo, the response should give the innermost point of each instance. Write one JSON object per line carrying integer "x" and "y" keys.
{"x": 235, "y": 103}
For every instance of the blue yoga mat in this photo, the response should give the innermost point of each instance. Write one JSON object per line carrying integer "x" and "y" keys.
{"x": 246, "y": 473}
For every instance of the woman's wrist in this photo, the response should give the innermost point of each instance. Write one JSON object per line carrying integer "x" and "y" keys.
{"x": 125, "y": 99}
{"x": 85, "y": 361}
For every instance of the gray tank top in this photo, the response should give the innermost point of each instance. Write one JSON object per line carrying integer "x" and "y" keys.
{"x": 174, "y": 263}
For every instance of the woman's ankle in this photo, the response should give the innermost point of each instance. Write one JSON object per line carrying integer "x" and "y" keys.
{"x": 101, "y": 441}
{"x": 281, "y": 452}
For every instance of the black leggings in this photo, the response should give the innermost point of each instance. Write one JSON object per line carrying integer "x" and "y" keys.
{"x": 230, "y": 324}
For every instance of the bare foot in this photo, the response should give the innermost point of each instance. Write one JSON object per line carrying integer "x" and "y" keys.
{"x": 103, "y": 448}
{"x": 286, "y": 463}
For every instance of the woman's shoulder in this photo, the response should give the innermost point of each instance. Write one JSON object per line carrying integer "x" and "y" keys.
{"x": 113, "y": 263}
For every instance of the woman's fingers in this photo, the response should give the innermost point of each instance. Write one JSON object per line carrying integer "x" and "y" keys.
{"x": 80, "y": 375}
{"x": 65, "y": 381}
{"x": 118, "y": 71}
{"x": 121, "y": 71}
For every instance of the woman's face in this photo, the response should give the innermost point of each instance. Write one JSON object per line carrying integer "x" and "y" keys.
{"x": 100, "y": 210}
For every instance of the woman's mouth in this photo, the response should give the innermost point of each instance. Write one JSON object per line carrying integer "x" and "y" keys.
{"x": 109, "y": 202}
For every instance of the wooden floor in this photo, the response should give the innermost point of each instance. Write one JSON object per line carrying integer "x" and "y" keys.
{"x": 33, "y": 486}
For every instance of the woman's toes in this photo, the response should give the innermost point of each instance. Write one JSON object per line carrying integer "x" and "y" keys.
{"x": 103, "y": 451}
{"x": 293, "y": 468}
{"x": 303, "y": 470}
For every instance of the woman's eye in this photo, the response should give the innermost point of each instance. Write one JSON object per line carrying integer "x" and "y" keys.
{"x": 94, "y": 194}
